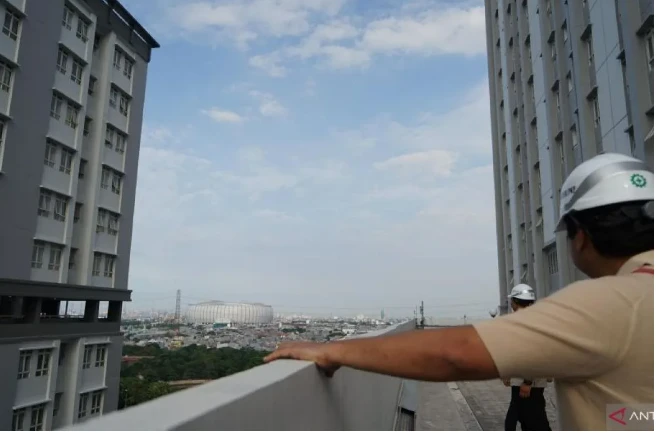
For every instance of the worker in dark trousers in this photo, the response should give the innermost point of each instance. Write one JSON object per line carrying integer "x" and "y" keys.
{"x": 527, "y": 404}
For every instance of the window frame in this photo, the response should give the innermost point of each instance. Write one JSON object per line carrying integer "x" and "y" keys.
{"x": 24, "y": 361}
{"x": 55, "y": 257}
{"x": 60, "y": 210}
{"x": 6, "y": 75}
{"x": 102, "y": 351}
{"x": 96, "y": 264}
{"x": 44, "y": 357}
{"x": 38, "y": 249}
{"x": 87, "y": 356}
{"x": 14, "y": 27}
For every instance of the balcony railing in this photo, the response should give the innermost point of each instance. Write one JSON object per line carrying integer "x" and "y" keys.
{"x": 283, "y": 395}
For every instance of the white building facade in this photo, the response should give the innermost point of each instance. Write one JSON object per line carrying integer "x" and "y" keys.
{"x": 72, "y": 86}
{"x": 568, "y": 80}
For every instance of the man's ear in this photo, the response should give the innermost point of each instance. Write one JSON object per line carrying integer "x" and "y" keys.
{"x": 582, "y": 240}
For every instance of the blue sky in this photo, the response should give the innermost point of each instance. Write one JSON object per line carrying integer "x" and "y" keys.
{"x": 317, "y": 155}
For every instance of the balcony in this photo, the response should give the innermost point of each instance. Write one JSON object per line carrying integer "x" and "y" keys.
{"x": 62, "y": 133}
{"x": 284, "y": 395}
{"x": 118, "y": 120}
{"x": 69, "y": 39}
{"x": 68, "y": 87}
{"x": 121, "y": 80}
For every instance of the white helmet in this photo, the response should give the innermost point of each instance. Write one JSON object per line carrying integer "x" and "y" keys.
{"x": 522, "y": 292}
{"x": 606, "y": 179}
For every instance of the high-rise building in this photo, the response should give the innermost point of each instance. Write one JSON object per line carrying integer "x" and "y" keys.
{"x": 568, "y": 80}
{"x": 72, "y": 87}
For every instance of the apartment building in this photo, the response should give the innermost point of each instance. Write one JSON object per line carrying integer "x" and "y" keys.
{"x": 568, "y": 80}
{"x": 72, "y": 87}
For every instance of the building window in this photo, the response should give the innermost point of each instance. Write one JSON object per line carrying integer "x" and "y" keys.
{"x": 554, "y": 51}
{"x": 10, "y": 28}
{"x": 60, "y": 208}
{"x": 56, "y": 106}
{"x": 100, "y": 355}
{"x": 101, "y": 220}
{"x": 72, "y": 116}
{"x": 114, "y": 95}
{"x": 632, "y": 140}
{"x": 49, "y": 156}
{"x": 105, "y": 178}
{"x": 18, "y": 419}
{"x": 113, "y": 224}
{"x": 37, "y": 254}
{"x": 97, "y": 398}
{"x": 120, "y": 145}
{"x": 552, "y": 259}
{"x": 55, "y": 257}
{"x": 43, "y": 361}
{"x": 66, "y": 158}
{"x": 77, "y": 71}
{"x": 72, "y": 257}
{"x": 109, "y": 267}
{"x": 96, "y": 271}
{"x": 590, "y": 49}
{"x": 37, "y": 417}
{"x": 110, "y": 136}
{"x": 92, "y": 86}
{"x": 24, "y": 363}
{"x": 570, "y": 82}
{"x": 124, "y": 105}
{"x": 649, "y": 47}
{"x": 87, "y": 354}
{"x": 67, "y": 18}
{"x": 82, "y": 405}
{"x": 128, "y": 68}
{"x": 116, "y": 183}
{"x": 62, "y": 60}
{"x": 82, "y": 30}
{"x": 595, "y": 111}
{"x": 44, "y": 203}
{"x": 117, "y": 59}
{"x": 56, "y": 403}
{"x": 5, "y": 76}
{"x": 81, "y": 169}
{"x": 86, "y": 126}
{"x": 76, "y": 212}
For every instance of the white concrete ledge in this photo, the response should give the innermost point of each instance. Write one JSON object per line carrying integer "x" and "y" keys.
{"x": 284, "y": 395}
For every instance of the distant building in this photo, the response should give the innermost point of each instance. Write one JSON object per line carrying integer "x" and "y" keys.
{"x": 72, "y": 87}
{"x": 211, "y": 312}
{"x": 568, "y": 80}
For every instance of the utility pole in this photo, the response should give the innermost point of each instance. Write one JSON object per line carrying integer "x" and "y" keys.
{"x": 422, "y": 314}
{"x": 177, "y": 309}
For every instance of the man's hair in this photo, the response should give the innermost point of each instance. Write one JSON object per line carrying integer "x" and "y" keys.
{"x": 522, "y": 303}
{"x": 619, "y": 230}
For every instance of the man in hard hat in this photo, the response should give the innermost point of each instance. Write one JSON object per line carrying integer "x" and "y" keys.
{"x": 594, "y": 337}
{"x": 527, "y": 403}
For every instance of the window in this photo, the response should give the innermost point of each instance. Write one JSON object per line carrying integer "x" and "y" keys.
{"x": 120, "y": 145}
{"x": 60, "y": 213}
{"x": 128, "y": 68}
{"x": 49, "y": 156}
{"x": 116, "y": 183}
{"x": 82, "y": 30}
{"x": 56, "y": 403}
{"x": 595, "y": 111}
{"x": 649, "y": 47}
{"x": 43, "y": 362}
{"x": 81, "y": 169}
{"x": 96, "y": 271}
{"x": 72, "y": 116}
{"x": 37, "y": 254}
{"x": 37, "y": 417}
{"x": 117, "y": 60}
{"x": 574, "y": 138}
{"x": 570, "y": 82}
{"x": 96, "y": 402}
{"x": 62, "y": 60}
{"x": 92, "y": 86}
{"x": 10, "y": 28}
{"x": 588, "y": 44}
{"x": 565, "y": 33}
{"x": 18, "y": 419}
{"x": 113, "y": 224}
{"x": 24, "y": 364}
{"x": 100, "y": 355}
{"x": 101, "y": 218}
{"x": 44, "y": 203}
{"x": 72, "y": 261}
{"x": 5, "y": 76}
{"x": 68, "y": 17}
{"x": 110, "y": 136}
{"x": 56, "y": 106}
{"x": 87, "y": 354}
{"x": 554, "y": 51}
{"x": 113, "y": 97}
{"x": 77, "y": 71}
{"x": 86, "y": 126}
{"x": 552, "y": 258}
{"x": 82, "y": 404}
{"x": 105, "y": 178}
{"x": 124, "y": 105}
{"x": 109, "y": 267}
{"x": 557, "y": 103}
{"x": 76, "y": 212}
{"x": 55, "y": 257}
{"x": 66, "y": 157}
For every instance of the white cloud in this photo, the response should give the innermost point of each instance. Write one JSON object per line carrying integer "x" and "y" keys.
{"x": 277, "y": 216}
{"x": 268, "y": 105}
{"x": 269, "y": 63}
{"x": 434, "y": 162}
{"x": 223, "y": 116}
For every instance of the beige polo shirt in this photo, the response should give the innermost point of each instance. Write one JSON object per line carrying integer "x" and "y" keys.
{"x": 594, "y": 337}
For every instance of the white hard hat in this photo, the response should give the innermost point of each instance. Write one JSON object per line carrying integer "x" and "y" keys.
{"x": 522, "y": 292}
{"x": 606, "y": 179}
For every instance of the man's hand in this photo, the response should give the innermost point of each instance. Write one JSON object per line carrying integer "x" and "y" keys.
{"x": 507, "y": 382}
{"x": 524, "y": 391}
{"x": 308, "y": 351}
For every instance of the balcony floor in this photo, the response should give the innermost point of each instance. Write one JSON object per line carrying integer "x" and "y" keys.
{"x": 469, "y": 406}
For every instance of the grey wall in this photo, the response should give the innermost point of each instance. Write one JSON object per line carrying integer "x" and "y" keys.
{"x": 9, "y": 355}
{"x": 26, "y": 135}
{"x": 113, "y": 367}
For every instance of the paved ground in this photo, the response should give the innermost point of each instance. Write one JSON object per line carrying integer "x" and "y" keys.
{"x": 469, "y": 406}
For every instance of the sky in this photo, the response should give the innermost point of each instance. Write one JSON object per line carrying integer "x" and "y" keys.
{"x": 321, "y": 156}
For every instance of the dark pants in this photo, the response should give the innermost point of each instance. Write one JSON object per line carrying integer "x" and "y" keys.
{"x": 530, "y": 411}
